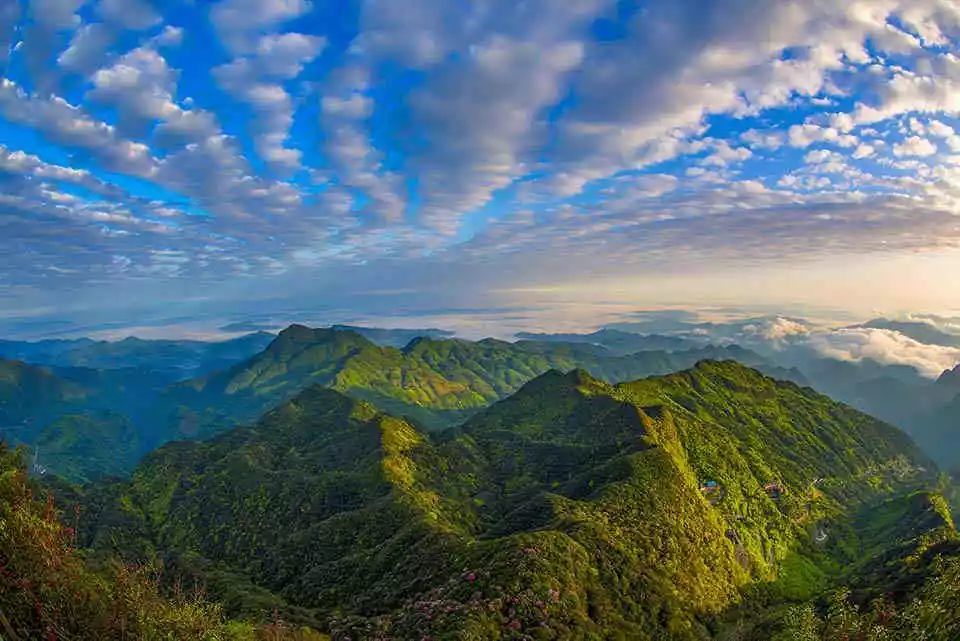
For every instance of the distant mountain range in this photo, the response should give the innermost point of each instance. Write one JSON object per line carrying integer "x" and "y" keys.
{"x": 86, "y": 407}
{"x": 436, "y": 382}
{"x": 618, "y": 342}
{"x": 394, "y": 337}
{"x": 171, "y": 359}
{"x": 928, "y": 410}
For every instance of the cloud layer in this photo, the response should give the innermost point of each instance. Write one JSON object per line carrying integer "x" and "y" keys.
{"x": 290, "y": 146}
{"x": 887, "y": 348}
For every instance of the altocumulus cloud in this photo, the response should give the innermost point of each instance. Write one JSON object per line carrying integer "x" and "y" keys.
{"x": 484, "y": 141}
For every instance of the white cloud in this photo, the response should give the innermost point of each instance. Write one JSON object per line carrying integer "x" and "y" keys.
{"x": 652, "y": 185}
{"x": 777, "y": 330}
{"x": 88, "y": 48}
{"x": 69, "y": 125}
{"x": 514, "y": 104}
{"x": 344, "y": 111}
{"x": 241, "y": 22}
{"x": 481, "y": 112}
{"x": 946, "y": 324}
{"x": 886, "y": 347}
{"x": 726, "y": 65}
{"x": 92, "y": 43}
{"x": 914, "y": 146}
{"x": 49, "y": 20}
{"x": 769, "y": 140}
{"x": 9, "y": 16}
{"x": 808, "y": 134}
{"x": 256, "y": 80}
{"x": 724, "y": 154}
{"x": 940, "y": 130}
{"x": 902, "y": 91}
{"x": 355, "y": 106}
{"x": 21, "y": 163}
{"x": 169, "y": 37}
{"x": 506, "y": 84}
{"x": 822, "y": 156}
{"x": 140, "y": 85}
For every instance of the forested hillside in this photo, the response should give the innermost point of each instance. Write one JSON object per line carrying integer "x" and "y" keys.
{"x": 572, "y": 509}
{"x": 436, "y": 382}
{"x": 48, "y": 591}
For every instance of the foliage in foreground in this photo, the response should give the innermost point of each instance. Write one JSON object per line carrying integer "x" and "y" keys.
{"x": 48, "y": 592}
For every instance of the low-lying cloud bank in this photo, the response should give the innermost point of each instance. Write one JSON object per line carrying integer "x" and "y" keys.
{"x": 792, "y": 337}
{"x": 884, "y": 346}
{"x": 856, "y": 344}
{"x": 946, "y": 324}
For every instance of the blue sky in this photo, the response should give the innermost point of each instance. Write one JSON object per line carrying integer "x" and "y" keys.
{"x": 199, "y": 161}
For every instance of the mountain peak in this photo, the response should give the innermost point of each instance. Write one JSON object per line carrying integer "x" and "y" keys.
{"x": 301, "y": 334}
{"x": 725, "y": 368}
{"x": 296, "y": 332}
{"x": 950, "y": 378}
{"x": 319, "y": 402}
{"x": 555, "y": 379}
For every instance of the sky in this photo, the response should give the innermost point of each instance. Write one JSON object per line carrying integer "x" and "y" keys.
{"x": 185, "y": 164}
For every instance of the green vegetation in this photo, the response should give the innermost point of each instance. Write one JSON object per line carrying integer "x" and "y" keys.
{"x": 28, "y": 393}
{"x": 79, "y": 422}
{"x": 572, "y": 509}
{"x": 81, "y": 448}
{"x": 435, "y": 382}
{"x": 48, "y": 592}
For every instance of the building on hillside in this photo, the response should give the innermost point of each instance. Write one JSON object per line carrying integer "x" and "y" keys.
{"x": 711, "y": 490}
{"x": 36, "y": 467}
{"x": 774, "y": 490}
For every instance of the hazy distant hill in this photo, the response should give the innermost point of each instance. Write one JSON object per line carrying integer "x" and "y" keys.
{"x": 619, "y": 342}
{"x": 950, "y": 380}
{"x": 81, "y": 420}
{"x": 173, "y": 359}
{"x": 692, "y": 506}
{"x": 29, "y": 393}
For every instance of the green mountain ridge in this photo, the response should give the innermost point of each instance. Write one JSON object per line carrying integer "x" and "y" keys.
{"x": 396, "y": 337}
{"x": 437, "y": 382}
{"x": 573, "y": 509}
